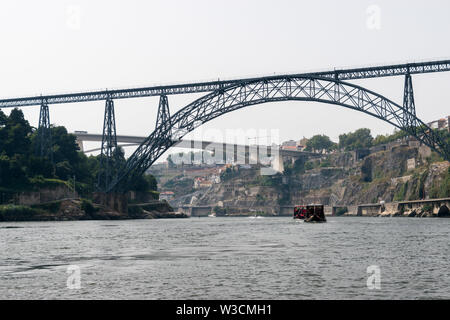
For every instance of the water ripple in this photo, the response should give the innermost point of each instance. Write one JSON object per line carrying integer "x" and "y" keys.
{"x": 226, "y": 258}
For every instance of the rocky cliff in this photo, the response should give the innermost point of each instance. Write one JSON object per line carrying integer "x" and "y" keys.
{"x": 400, "y": 173}
{"x": 76, "y": 209}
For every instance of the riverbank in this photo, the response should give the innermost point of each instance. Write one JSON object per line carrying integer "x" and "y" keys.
{"x": 415, "y": 208}
{"x": 438, "y": 208}
{"x": 81, "y": 209}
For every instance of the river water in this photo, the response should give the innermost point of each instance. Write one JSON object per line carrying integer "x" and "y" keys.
{"x": 227, "y": 258}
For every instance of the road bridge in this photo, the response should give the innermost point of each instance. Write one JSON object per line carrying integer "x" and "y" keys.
{"x": 242, "y": 154}
{"x": 128, "y": 141}
{"x": 209, "y": 86}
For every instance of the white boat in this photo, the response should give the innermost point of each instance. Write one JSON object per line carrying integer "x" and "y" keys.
{"x": 256, "y": 217}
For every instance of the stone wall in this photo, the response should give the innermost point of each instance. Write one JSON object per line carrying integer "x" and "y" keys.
{"x": 142, "y": 197}
{"x": 436, "y": 207}
{"x": 114, "y": 201}
{"x": 372, "y": 210}
{"x": 44, "y": 195}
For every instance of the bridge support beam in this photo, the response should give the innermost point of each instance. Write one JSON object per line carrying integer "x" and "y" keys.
{"x": 109, "y": 145}
{"x": 44, "y": 135}
{"x": 408, "y": 103}
{"x": 163, "y": 118}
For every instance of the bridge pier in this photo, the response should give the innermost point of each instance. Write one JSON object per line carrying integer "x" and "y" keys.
{"x": 44, "y": 134}
{"x": 163, "y": 117}
{"x": 114, "y": 201}
{"x": 409, "y": 117}
{"x": 109, "y": 145}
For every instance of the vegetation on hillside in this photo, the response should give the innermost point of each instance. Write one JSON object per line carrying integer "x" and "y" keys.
{"x": 388, "y": 138}
{"x": 22, "y": 170}
{"x": 361, "y": 138}
{"x": 320, "y": 143}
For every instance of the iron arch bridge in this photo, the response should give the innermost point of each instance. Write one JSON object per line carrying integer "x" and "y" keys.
{"x": 170, "y": 129}
{"x": 224, "y": 96}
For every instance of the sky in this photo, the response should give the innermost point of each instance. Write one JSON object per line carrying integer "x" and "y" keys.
{"x": 68, "y": 46}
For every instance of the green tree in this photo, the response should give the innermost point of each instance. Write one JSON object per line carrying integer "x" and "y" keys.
{"x": 65, "y": 147}
{"x": 15, "y": 134}
{"x": 39, "y": 167}
{"x": 21, "y": 169}
{"x": 68, "y": 161}
{"x": 144, "y": 183}
{"x": 15, "y": 146}
{"x": 383, "y": 139}
{"x": 3, "y": 118}
{"x": 12, "y": 173}
{"x": 359, "y": 139}
{"x": 320, "y": 143}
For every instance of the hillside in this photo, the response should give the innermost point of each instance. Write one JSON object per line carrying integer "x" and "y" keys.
{"x": 401, "y": 172}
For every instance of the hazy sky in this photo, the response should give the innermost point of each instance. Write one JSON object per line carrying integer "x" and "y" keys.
{"x": 60, "y": 46}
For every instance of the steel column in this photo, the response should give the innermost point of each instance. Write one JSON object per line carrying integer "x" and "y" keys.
{"x": 163, "y": 117}
{"x": 44, "y": 134}
{"x": 409, "y": 117}
{"x": 109, "y": 145}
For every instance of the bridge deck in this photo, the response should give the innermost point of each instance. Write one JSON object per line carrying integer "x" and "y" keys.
{"x": 340, "y": 74}
{"x": 195, "y": 144}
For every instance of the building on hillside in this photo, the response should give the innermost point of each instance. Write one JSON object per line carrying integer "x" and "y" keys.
{"x": 225, "y": 167}
{"x": 440, "y": 124}
{"x": 289, "y": 143}
{"x": 215, "y": 178}
{"x": 201, "y": 182}
{"x": 293, "y": 145}
{"x": 301, "y": 144}
{"x": 290, "y": 148}
{"x": 166, "y": 195}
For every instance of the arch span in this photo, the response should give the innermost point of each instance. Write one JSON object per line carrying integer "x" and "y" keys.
{"x": 247, "y": 93}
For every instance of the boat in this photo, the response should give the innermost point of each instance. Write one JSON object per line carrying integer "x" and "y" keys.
{"x": 299, "y": 212}
{"x": 255, "y": 216}
{"x": 315, "y": 213}
{"x": 310, "y": 213}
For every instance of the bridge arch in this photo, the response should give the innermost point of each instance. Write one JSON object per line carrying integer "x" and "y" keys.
{"x": 273, "y": 89}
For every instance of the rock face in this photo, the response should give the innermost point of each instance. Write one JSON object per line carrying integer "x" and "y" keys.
{"x": 444, "y": 212}
{"x": 114, "y": 201}
{"x": 397, "y": 174}
{"x": 65, "y": 210}
{"x": 412, "y": 214}
{"x": 47, "y": 194}
{"x": 390, "y": 176}
{"x": 75, "y": 209}
{"x": 155, "y": 210}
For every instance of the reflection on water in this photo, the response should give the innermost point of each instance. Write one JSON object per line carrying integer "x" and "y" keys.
{"x": 226, "y": 258}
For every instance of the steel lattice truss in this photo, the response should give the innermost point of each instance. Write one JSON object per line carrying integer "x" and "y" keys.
{"x": 163, "y": 118}
{"x": 44, "y": 134}
{"x": 388, "y": 71}
{"x": 343, "y": 74}
{"x": 109, "y": 145}
{"x": 236, "y": 96}
{"x": 408, "y": 103}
